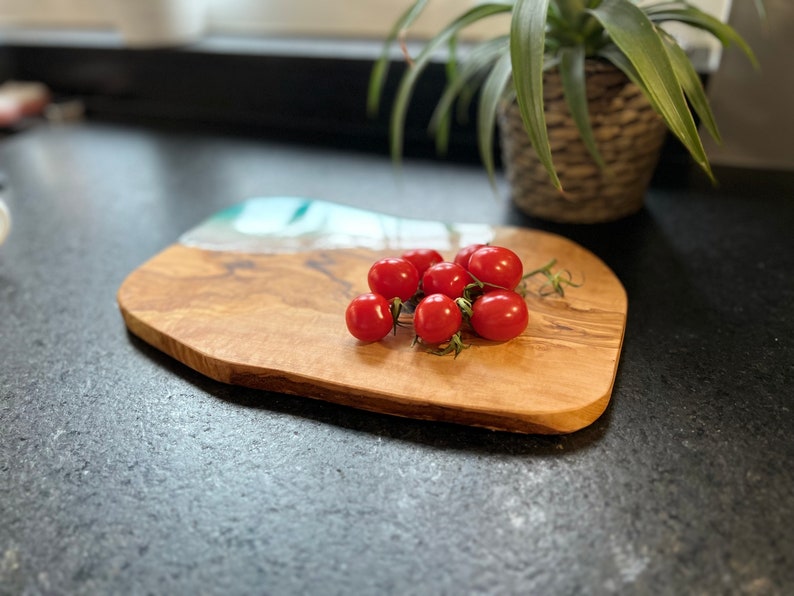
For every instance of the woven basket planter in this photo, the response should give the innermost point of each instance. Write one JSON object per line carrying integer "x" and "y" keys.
{"x": 629, "y": 135}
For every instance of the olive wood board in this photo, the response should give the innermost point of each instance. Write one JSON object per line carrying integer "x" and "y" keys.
{"x": 256, "y": 295}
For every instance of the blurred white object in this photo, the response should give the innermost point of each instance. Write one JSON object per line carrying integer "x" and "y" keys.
{"x": 5, "y": 221}
{"x": 158, "y": 23}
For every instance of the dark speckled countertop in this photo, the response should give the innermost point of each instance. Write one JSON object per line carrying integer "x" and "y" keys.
{"x": 121, "y": 471}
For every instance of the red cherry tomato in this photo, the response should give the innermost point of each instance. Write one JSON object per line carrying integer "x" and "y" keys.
{"x": 496, "y": 266}
{"x": 422, "y": 258}
{"x": 437, "y": 318}
{"x": 368, "y": 317}
{"x": 464, "y": 254}
{"x": 446, "y": 278}
{"x": 393, "y": 277}
{"x": 499, "y": 315}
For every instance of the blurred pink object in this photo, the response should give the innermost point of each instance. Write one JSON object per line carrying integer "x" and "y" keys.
{"x": 19, "y": 99}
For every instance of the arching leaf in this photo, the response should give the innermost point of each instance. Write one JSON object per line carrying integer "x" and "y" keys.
{"x": 527, "y": 45}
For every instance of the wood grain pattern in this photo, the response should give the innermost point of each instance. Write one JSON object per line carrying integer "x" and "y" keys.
{"x": 276, "y": 322}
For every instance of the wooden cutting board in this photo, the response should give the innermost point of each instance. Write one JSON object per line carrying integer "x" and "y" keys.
{"x": 256, "y": 296}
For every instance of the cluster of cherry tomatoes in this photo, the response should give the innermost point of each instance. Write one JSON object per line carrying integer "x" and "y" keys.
{"x": 476, "y": 292}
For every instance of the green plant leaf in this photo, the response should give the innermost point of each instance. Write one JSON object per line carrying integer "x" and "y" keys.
{"x": 612, "y": 53}
{"x": 619, "y": 59}
{"x": 480, "y": 59}
{"x": 636, "y": 36}
{"x": 380, "y": 69}
{"x": 527, "y": 45}
{"x": 408, "y": 82}
{"x": 698, "y": 19}
{"x": 690, "y": 81}
{"x": 574, "y": 85}
{"x": 492, "y": 94}
{"x": 571, "y": 10}
{"x": 445, "y": 124}
{"x": 761, "y": 8}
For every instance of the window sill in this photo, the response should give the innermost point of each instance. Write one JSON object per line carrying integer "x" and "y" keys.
{"x": 308, "y": 90}
{"x": 305, "y": 89}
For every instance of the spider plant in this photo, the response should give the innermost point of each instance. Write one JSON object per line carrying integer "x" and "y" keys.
{"x": 561, "y": 34}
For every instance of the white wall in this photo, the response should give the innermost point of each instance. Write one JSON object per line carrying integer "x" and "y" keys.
{"x": 754, "y": 108}
{"x": 68, "y": 13}
{"x": 357, "y": 18}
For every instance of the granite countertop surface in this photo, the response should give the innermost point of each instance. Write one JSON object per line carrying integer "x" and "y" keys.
{"x": 122, "y": 471}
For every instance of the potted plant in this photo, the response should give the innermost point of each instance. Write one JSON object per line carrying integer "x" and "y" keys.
{"x": 584, "y": 92}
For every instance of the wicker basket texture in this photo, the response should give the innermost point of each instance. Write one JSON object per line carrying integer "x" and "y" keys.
{"x": 629, "y": 135}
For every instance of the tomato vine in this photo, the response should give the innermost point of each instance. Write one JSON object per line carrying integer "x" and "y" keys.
{"x": 480, "y": 293}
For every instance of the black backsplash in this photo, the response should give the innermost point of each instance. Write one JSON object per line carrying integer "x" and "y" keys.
{"x": 318, "y": 100}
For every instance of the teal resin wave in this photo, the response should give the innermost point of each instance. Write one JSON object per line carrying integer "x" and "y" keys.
{"x": 291, "y": 224}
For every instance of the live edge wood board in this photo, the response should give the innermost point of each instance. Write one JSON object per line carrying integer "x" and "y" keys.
{"x": 256, "y": 295}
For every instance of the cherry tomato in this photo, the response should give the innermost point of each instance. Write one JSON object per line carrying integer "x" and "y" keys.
{"x": 499, "y": 315}
{"x": 393, "y": 277}
{"x": 464, "y": 254}
{"x": 422, "y": 258}
{"x": 437, "y": 318}
{"x": 368, "y": 317}
{"x": 496, "y": 266}
{"x": 446, "y": 278}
